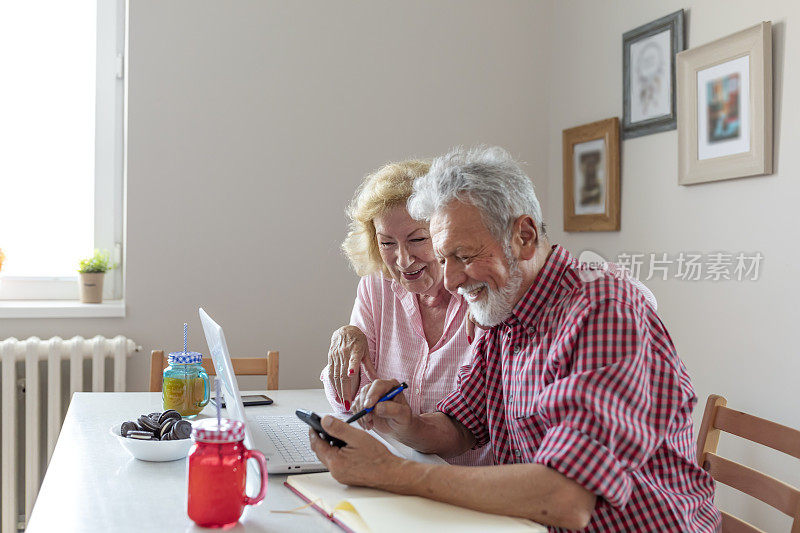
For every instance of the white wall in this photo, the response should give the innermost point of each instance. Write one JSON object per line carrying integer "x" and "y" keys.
{"x": 736, "y": 338}
{"x": 250, "y": 125}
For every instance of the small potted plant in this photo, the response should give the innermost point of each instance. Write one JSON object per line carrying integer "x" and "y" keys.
{"x": 92, "y": 272}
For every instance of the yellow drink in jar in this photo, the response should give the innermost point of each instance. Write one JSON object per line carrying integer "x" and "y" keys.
{"x": 185, "y": 384}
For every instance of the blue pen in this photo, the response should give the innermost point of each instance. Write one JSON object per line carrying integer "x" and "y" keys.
{"x": 389, "y": 395}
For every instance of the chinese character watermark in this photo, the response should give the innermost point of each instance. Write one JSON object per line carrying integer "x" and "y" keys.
{"x": 715, "y": 266}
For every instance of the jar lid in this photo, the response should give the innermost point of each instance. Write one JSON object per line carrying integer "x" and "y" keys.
{"x": 227, "y": 431}
{"x": 188, "y": 358}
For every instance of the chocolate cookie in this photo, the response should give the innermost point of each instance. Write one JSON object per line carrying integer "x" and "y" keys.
{"x": 127, "y": 427}
{"x": 182, "y": 429}
{"x": 169, "y": 414}
{"x": 148, "y": 423}
{"x": 165, "y": 428}
{"x": 140, "y": 435}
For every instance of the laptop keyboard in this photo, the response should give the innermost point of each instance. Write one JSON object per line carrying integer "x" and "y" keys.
{"x": 290, "y": 437}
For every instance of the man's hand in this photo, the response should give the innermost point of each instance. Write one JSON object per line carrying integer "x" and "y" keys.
{"x": 392, "y": 416}
{"x": 349, "y": 348}
{"x": 363, "y": 462}
{"x": 531, "y": 491}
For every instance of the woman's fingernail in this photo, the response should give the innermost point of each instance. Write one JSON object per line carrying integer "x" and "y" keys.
{"x": 351, "y": 372}
{"x": 347, "y": 405}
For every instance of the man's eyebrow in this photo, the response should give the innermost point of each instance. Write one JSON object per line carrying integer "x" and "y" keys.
{"x": 456, "y": 251}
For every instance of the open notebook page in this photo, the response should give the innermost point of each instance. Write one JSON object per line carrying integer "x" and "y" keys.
{"x": 370, "y": 510}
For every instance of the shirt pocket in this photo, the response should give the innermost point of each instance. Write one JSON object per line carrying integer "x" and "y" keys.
{"x": 527, "y": 433}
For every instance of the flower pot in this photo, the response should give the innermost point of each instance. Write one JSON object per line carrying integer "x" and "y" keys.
{"x": 91, "y": 287}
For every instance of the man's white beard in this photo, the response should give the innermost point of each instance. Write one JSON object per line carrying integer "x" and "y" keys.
{"x": 498, "y": 303}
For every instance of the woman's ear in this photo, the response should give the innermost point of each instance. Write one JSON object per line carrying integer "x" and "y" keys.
{"x": 525, "y": 237}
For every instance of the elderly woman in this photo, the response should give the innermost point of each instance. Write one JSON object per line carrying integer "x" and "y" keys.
{"x": 404, "y": 324}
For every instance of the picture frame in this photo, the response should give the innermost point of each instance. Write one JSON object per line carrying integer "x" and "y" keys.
{"x": 648, "y": 75}
{"x": 725, "y": 107}
{"x": 591, "y": 176}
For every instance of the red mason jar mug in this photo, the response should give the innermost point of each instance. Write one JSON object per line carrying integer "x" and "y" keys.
{"x": 217, "y": 472}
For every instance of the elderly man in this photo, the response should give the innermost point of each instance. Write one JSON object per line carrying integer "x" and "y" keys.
{"x": 576, "y": 387}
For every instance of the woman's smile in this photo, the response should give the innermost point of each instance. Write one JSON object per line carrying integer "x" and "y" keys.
{"x": 413, "y": 274}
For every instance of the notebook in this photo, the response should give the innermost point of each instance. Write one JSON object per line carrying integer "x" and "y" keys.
{"x": 363, "y": 510}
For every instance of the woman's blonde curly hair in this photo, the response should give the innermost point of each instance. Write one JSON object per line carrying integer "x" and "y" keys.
{"x": 384, "y": 189}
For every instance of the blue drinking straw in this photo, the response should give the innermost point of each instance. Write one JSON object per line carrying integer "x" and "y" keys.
{"x": 216, "y": 386}
{"x": 185, "y": 331}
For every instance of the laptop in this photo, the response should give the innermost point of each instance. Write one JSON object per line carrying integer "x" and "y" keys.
{"x": 282, "y": 439}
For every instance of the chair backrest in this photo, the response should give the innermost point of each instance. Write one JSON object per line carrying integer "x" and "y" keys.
{"x": 242, "y": 366}
{"x": 782, "y": 496}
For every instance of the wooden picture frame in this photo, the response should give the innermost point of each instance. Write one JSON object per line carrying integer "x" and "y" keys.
{"x": 591, "y": 176}
{"x": 648, "y": 75}
{"x": 725, "y": 107}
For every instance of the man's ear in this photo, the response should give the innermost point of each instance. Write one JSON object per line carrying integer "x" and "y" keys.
{"x": 525, "y": 237}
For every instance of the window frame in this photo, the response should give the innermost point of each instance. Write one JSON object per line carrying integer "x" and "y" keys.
{"x": 109, "y": 186}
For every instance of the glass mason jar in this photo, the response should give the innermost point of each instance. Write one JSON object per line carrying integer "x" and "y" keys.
{"x": 217, "y": 473}
{"x": 185, "y": 385}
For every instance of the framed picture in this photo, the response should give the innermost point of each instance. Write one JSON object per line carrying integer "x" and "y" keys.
{"x": 725, "y": 107}
{"x": 648, "y": 76}
{"x": 591, "y": 176}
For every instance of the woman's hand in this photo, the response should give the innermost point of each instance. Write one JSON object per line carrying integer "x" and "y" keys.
{"x": 349, "y": 348}
{"x": 471, "y": 324}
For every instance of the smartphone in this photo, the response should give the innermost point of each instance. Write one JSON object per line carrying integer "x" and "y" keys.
{"x": 250, "y": 399}
{"x": 312, "y": 419}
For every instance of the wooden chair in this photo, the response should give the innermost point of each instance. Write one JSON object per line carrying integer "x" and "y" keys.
{"x": 242, "y": 366}
{"x": 783, "y": 497}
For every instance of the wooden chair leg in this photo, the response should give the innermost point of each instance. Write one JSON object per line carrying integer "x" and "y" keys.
{"x": 272, "y": 370}
{"x": 156, "y": 370}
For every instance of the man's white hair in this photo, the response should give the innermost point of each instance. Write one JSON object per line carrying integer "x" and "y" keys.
{"x": 486, "y": 177}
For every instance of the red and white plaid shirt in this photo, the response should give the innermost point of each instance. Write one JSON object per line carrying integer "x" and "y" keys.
{"x": 583, "y": 378}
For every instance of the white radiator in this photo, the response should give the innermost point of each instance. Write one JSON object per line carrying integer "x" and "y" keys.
{"x": 32, "y": 351}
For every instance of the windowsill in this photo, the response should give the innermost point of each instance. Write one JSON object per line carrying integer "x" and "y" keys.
{"x": 60, "y": 309}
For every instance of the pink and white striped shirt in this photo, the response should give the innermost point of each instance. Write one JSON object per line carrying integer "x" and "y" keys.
{"x": 390, "y": 318}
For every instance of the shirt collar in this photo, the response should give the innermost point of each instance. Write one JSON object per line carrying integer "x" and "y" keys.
{"x": 409, "y": 302}
{"x": 406, "y": 298}
{"x": 543, "y": 289}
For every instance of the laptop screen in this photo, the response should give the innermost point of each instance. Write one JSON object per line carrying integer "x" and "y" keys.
{"x": 215, "y": 338}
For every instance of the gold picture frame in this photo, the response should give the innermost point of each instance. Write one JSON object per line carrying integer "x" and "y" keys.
{"x": 591, "y": 176}
{"x": 725, "y": 107}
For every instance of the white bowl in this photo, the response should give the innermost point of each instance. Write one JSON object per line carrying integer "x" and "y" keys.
{"x": 153, "y": 450}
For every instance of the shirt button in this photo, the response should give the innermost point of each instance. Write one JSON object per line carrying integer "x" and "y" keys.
{"x": 418, "y": 390}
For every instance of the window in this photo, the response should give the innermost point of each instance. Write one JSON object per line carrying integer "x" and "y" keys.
{"x": 61, "y": 172}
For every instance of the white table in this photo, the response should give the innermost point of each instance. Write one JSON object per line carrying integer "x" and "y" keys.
{"x": 93, "y": 484}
